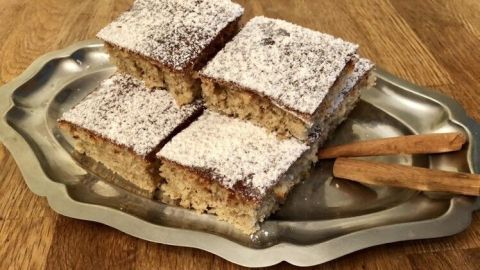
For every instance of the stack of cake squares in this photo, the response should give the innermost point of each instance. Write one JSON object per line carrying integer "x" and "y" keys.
{"x": 211, "y": 117}
{"x": 158, "y": 48}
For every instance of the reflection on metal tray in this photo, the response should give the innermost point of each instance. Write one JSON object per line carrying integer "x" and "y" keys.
{"x": 324, "y": 218}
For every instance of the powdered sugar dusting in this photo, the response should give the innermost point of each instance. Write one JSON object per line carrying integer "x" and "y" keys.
{"x": 362, "y": 67}
{"x": 124, "y": 111}
{"x": 234, "y": 151}
{"x": 292, "y": 65}
{"x": 172, "y": 32}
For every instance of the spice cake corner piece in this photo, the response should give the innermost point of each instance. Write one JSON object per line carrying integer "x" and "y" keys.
{"x": 232, "y": 168}
{"x": 279, "y": 75}
{"x": 340, "y": 108}
{"x": 164, "y": 42}
{"x": 122, "y": 124}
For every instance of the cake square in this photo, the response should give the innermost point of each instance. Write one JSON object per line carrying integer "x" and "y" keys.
{"x": 241, "y": 172}
{"x": 279, "y": 75}
{"x": 232, "y": 168}
{"x": 122, "y": 124}
{"x": 164, "y": 42}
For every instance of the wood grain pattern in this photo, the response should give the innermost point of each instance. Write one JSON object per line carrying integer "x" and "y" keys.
{"x": 412, "y": 144}
{"x": 434, "y": 43}
{"x": 403, "y": 176}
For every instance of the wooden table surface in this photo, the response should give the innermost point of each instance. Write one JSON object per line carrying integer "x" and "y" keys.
{"x": 434, "y": 43}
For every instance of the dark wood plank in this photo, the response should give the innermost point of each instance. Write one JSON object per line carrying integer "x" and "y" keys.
{"x": 86, "y": 245}
{"x": 466, "y": 260}
{"x": 25, "y": 242}
{"x": 56, "y": 24}
{"x": 16, "y": 201}
{"x": 155, "y": 256}
{"x": 454, "y": 44}
{"x": 383, "y": 35}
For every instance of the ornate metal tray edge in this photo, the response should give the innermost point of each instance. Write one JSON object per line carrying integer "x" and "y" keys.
{"x": 59, "y": 200}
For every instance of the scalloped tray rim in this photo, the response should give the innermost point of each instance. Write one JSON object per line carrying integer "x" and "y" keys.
{"x": 455, "y": 220}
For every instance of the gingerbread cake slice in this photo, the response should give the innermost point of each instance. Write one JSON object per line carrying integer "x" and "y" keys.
{"x": 122, "y": 124}
{"x": 164, "y": 42}
{"x": 279, "y": 75}
{"x": 344, "y": 103}
{"x": 232, "y": 168}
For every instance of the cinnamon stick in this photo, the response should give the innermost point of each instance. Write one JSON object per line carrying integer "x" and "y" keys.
{"x": 412, "y": 144}
{"x": 423, "y": 179}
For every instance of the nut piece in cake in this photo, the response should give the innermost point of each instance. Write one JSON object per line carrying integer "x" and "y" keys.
{"x": 122, "y": 124}
{"x": 164, "y": 42}
{"x": 279, "y": 75}
{"x": 232, "y": 168}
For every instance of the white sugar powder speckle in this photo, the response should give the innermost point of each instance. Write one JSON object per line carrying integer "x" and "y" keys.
{"x": 233, "y": 151}
{"x": 362, "y": 67}
{"x": 124, "y": 111}
{"x": 172, "y": 32}
{"x": 292, "y": 65}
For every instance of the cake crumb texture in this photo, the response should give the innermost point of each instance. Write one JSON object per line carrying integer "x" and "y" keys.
{"x": 123, "y": 162}
{"x": 251, "y": 107}
{"x": 192, "y": 191}
{"x": 184, "y": 88}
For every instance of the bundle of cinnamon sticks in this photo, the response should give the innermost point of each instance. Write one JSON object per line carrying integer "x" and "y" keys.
{"x": 423, "y": 179}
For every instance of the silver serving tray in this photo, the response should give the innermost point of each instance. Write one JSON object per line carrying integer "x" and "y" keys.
{"x": 324, "y": 218}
